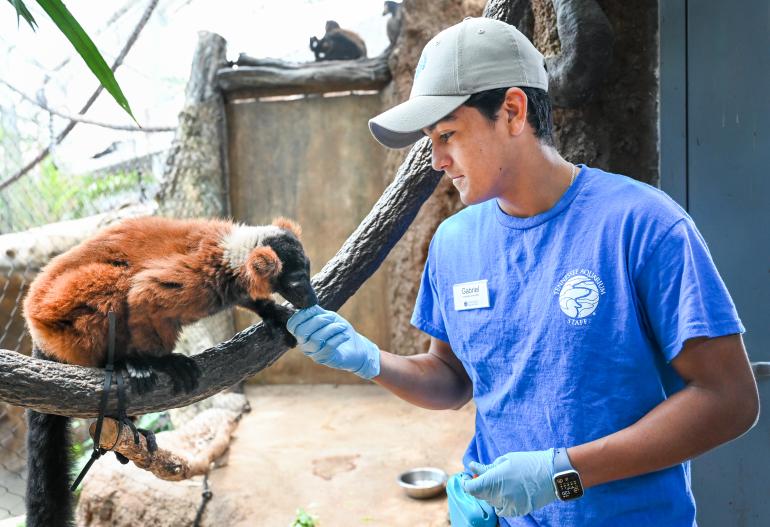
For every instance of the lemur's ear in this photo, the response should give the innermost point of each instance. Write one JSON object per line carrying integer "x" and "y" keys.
{"x": 262, "y": 265}
{"x": 289, "y": 225}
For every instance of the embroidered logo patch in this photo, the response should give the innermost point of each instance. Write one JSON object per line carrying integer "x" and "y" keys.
{"x": 579, "y": 293}
{"x": 420, "y": 66}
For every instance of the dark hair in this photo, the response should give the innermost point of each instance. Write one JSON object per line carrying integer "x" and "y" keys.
{"x": 538, "y": 109}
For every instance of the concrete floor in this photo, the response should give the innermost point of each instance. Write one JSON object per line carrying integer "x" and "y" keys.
{"x": 336, "y": 452}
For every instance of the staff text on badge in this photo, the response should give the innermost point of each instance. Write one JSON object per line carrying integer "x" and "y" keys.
{"x": 471, "y": 295}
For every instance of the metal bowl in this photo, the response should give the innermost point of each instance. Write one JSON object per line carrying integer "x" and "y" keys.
{"x": 423, "y": 482}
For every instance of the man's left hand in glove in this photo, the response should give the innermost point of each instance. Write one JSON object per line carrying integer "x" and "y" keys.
{"x": 516, "y": 483}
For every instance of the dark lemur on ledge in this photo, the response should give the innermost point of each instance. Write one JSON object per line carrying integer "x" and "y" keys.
{"x": 337, "y": 44}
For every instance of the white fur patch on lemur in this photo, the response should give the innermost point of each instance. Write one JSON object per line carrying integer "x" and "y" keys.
{"x": 237, "y": 245}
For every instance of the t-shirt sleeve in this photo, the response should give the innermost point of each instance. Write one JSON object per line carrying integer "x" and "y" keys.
{"x": 681, "y": 291}
{"x": 427, "y": 308}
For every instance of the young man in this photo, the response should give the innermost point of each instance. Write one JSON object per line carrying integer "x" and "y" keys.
{"x": 579, "y": 309}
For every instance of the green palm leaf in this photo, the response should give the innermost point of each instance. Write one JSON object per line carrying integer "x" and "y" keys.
{"x": 22, "y": 11}
{"x": 85, "y": 48}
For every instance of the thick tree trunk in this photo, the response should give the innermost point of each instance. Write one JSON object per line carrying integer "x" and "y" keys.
{"x": 54, "y": 388}
{"x": 194, "y": 183}
{"x": 577, "y": 72}
{"x": 515, "y": 12}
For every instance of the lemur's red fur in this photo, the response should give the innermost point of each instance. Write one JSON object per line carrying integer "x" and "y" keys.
{"x": 156, "y": 274}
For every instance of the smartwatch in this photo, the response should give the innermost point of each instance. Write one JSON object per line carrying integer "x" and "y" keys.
{"x": 566, "y": 480}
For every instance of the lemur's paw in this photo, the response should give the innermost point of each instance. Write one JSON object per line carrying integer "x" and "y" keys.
{"x": 274, "y": 318}
{"x": 276, "y": 323}
{"x": 276, "y": 330}
{"x": 140, "y": 374}
{"x": 149, "y": 436}
{"x": 183, "y": 370}
{"x": 288, "y": 338}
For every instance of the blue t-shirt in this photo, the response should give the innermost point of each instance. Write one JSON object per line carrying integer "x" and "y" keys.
{"x": 588, "y": 303}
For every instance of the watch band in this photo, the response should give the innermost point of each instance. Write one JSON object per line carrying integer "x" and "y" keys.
{"x": 566, "y": 480}
{"x": 561, "y": 462}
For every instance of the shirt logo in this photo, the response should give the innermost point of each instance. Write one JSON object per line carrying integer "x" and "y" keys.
{"x": 579, "y": 293}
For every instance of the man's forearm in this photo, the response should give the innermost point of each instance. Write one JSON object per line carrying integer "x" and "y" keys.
{"x": 715, "y": 407}
{"x": 423, "y": 380}
{"x": 690, "y": 423}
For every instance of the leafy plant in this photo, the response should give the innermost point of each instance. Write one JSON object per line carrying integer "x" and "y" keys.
{"x": 155, "y": 422}
{"x": 304, "y": 519}
{"x": 83, "y": 44}
{"x": 53, "y": 195}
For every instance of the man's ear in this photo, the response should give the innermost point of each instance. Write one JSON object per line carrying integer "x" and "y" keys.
{"x": 288, "y": 225}
{"x": 515, "y": 110}
{"x": 262, "y": 265}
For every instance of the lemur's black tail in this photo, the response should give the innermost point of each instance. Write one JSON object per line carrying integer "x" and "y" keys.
{"x": 49, "y": 500}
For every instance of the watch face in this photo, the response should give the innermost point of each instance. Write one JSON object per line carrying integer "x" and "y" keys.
{"x": 568, "y": 485}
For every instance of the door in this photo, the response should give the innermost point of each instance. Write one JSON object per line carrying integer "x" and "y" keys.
{"x": 715, "y": 160}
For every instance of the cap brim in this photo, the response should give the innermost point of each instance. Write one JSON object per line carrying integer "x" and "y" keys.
{"x": 402, "y": 125}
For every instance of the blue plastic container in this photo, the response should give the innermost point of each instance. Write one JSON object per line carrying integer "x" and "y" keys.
{"x": 464, "y": 509}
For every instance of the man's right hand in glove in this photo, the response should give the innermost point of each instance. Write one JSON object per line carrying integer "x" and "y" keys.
{"x": 329, "y": 339}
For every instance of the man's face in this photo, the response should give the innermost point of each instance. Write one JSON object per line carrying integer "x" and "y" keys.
{"x": 472, "y": 152}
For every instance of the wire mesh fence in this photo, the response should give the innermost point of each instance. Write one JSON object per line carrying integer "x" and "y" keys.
{"x": 45, "y": 196}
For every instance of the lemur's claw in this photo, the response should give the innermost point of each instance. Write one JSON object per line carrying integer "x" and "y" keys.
{"x": 140, "y": 374}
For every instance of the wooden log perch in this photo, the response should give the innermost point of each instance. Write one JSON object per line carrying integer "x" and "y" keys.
{"x": 62, "y": 389}
{"x": 276, "y": 77}
{"x": 183, "y": 453}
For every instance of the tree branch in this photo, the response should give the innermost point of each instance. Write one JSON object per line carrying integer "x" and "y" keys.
{"x": 67, "y": 129}
{"x": 182, "y": 453}
{"x": 50, "y": 387}
{"x": 84, "y": 120}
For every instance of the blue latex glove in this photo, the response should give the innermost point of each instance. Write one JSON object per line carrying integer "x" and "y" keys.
{"x": 464, "y": 509}
{"x": 329, "y": 339}
{"x": 514, "y": 484}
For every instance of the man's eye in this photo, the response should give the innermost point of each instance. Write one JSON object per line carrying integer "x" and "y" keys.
{"x": 445, "y": 136}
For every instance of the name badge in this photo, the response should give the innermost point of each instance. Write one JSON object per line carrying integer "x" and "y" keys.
{"x": 471, "y": 295}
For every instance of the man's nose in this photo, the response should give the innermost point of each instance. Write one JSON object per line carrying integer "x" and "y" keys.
{"x": 439, "y": 159}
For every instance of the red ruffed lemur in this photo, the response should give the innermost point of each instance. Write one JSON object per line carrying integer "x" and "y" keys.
{"x": 155, "y": 274}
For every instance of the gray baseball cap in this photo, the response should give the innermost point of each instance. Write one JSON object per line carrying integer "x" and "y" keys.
{"x": 475, "y": 55}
